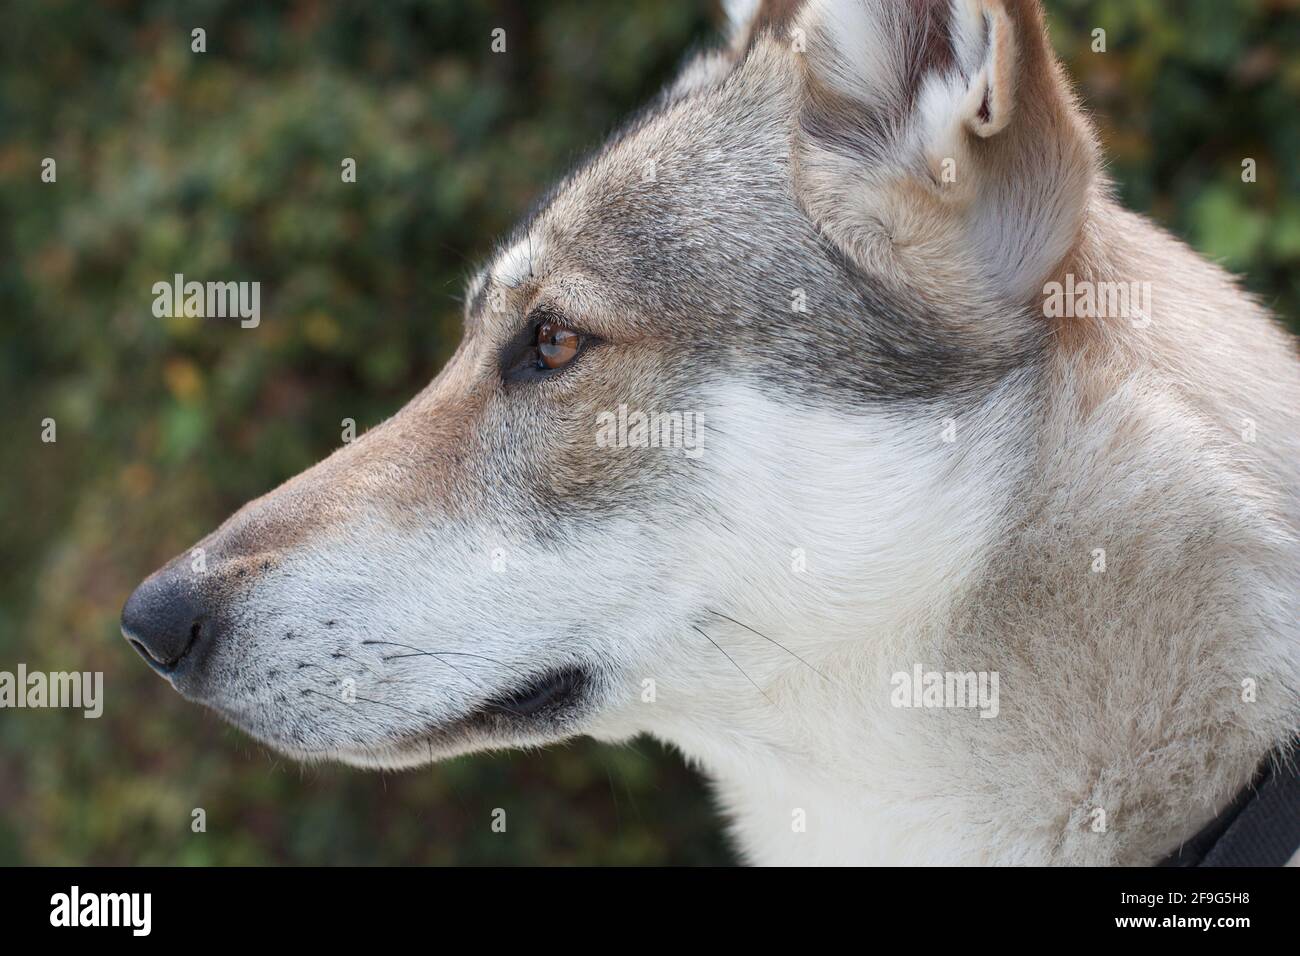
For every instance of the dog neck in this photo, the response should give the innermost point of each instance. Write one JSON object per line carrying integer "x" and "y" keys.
{"x": 1057, "y": 548}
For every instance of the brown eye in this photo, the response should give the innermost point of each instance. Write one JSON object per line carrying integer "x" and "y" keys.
{"x": 556, "y": 345}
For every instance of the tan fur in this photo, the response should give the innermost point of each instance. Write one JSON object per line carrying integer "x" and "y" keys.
{"x": 1170, "y": 444}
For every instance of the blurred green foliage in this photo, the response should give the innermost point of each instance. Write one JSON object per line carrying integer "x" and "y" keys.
{"x": 226, "y": 164}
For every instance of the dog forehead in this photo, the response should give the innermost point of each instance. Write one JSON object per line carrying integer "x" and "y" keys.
{"x": 688, "y": 181}
{"x": 689, "y": 178}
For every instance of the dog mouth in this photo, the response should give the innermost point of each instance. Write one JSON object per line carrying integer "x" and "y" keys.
{"x": 550, "y": 693}
{"x": 544, "y": 708}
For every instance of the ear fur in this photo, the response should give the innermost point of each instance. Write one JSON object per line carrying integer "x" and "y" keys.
{"x": 740, "y": 16}
{"x": 742, "y": 20}
{"x": 939, "y": 146}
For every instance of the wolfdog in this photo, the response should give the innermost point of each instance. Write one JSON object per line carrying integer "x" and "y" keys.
{"x": 946, "y": 573}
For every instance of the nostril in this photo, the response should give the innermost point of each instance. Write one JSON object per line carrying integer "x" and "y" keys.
{"x": 143, "y": 651}
{"x": 196, "y": 631}
{"x": 165, "y": 620}
{"x": 167, "y": 664}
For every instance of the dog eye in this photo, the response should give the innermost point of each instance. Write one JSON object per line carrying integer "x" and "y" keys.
{"x": 543, "y": 348}
{"x": 556, "y": 345}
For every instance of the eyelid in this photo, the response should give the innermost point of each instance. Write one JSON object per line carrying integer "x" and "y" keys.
{"x": 543, "y": 314}
{"x": 515, "y": 368}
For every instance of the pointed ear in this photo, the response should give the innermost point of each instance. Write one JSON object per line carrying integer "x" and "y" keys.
{"x": 939, "y": 145}
{"x": 740, "y": 16}
{"x": 744, "y": 21}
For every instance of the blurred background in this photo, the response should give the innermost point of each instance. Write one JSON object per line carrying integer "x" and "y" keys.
{"x": 226, "y": 165}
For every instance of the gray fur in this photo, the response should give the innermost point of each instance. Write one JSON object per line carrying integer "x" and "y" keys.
{"x": 1146, "y": 688}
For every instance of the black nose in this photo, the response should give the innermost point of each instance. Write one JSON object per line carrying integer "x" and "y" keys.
{"x": 165, "y": 619}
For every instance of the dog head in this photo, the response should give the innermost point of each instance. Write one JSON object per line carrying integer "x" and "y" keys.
{"x": 695, "y": 428}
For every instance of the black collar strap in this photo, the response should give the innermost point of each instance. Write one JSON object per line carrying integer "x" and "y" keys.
{"x": 1261, "y": 827}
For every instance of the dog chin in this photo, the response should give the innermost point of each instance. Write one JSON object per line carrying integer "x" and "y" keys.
{"x": 410, "y": 752}
{"x": 389, "y": 755}
{"x": 548, "y": 708}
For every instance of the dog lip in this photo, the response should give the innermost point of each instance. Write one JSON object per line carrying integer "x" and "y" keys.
{"x": 548, "y": 692}
{"x": 541, "y": 709}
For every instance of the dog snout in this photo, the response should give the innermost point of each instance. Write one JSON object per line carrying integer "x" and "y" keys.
{"x": 167, "y": 619}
